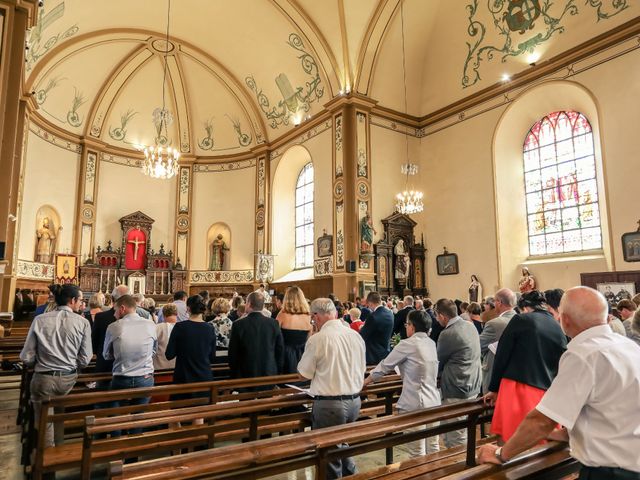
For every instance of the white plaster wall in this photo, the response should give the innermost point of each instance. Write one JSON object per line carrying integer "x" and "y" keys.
{"x": 388, "y": 154}
{"x": 459, "y": 208}
{"x": 50, "y": 178}
{"x": 123, "y": 190}
{"x": 227, "y": 197}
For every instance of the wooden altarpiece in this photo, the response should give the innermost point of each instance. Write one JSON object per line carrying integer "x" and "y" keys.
{"x": 155, "y": 273}
{"x": 399, "y": 227}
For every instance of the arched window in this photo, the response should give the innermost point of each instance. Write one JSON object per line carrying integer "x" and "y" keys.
{"x": 560, "y": 185}
{"x": 304, "y": 217}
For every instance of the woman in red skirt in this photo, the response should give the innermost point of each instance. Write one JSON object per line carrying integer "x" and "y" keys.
{"x": 526, "y": 363}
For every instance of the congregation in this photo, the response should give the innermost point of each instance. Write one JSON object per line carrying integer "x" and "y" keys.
{"x": 525, "y": 354}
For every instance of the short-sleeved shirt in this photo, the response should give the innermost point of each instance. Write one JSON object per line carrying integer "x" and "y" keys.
{"x": 595, "y": 396}
{"x": 417, "y": 360}
{"x": 334, "y": 360}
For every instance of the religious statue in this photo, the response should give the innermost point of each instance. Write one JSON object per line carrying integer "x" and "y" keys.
{"x": 527, "y": 283}
{"x": 46, "y": 242}
{"x": 366, "y": 234}
{"x": 475, "y": 290}
{"x": 402, "y": 261}
{"x": 218, "y": 247}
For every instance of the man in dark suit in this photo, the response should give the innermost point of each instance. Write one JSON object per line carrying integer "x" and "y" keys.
{"x": 401, "y": 317}
{"x": 256, "y": 347}
{"x": 377, "y": 330}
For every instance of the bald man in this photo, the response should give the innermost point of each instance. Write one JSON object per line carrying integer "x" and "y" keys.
{"x": 594, "y": 396}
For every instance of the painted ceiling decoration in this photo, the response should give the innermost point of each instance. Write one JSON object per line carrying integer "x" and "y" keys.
{"x": 242, "y": 73}
{"x": 511, "y": 28}
{"x": 294, "y": 103}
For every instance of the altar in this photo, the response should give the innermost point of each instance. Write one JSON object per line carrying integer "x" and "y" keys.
{"x": 133, "y": 263}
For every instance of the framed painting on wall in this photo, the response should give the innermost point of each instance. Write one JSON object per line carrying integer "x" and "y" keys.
{"x": 631, "y": 246}
{"x": 615, "y": 291}
{"x": 66, "y": 268}
{"x": 447, "y": 263}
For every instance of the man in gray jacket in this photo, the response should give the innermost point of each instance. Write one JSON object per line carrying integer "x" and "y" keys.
{"x": 505, "y": 301}
{"x": 459, "y": 357}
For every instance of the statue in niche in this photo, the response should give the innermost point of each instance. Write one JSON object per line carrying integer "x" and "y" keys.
{"x": 475, "y": 290}
{"x": 366, "y": 234}
{"x": 218, "y": 249}
{"x": 46, "y": 234}
{"x": 402, "y": 261}
{"x": 527, "y": 282}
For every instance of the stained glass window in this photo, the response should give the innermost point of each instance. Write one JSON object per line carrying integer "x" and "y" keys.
{"x": 304, "y": 217}
{"x": 560, "y": 185}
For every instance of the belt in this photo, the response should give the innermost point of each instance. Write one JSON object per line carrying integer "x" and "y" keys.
{"x": 58, "y": 372}
{"x": 337, "y": 397}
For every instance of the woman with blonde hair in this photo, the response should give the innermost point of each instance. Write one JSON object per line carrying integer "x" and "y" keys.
{"x": 295, "y": 322}
{"x": 96, "y": 305}
{"x": 220, "y": 312}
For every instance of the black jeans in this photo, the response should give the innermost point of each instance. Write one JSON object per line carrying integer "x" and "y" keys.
{"x": 607, "y": 473}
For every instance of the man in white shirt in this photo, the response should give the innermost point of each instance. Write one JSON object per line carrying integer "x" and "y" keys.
{"x": 417, "y": 360}
{"x": 594, "y": 396}
{"x": 334, "y": 361}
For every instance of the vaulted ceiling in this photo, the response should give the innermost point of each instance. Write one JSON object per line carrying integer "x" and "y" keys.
{"x": 243, "y": 72}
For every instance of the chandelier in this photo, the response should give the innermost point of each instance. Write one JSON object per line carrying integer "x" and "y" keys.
{"x": 409, "y": 201}
{"x": 161, "y": 161}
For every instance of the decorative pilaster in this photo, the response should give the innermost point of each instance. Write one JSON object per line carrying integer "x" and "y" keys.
{"x": 183, "y": 215}
{"x": 86, "y": 207}
{"x": 262, "y": 234}
{"x": 15, "y": 18}
{"x": 363, "y": 186}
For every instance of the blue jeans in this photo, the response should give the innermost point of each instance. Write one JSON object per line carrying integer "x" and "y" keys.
{"x": 121, "y": 383}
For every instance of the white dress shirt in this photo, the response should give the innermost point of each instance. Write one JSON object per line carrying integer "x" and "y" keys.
{"x": 334, "y": 360}
{"x": 595, "y": 396}
{"x": 417, "y": 360}
{"x": 131, "y": 342}
{"x": 163, "y": 332}
{"x": 59, "y": 340}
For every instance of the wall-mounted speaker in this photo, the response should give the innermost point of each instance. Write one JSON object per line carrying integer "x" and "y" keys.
{"x": 351, "y": 266}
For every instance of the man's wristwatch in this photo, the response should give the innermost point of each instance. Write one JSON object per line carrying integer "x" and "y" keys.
{"x": 498, "y": 454}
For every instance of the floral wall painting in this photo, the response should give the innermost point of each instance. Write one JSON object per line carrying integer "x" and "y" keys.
{"x": 500, "y": 29}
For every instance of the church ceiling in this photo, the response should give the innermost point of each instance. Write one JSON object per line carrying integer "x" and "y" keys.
{"x": 244, "y": 72}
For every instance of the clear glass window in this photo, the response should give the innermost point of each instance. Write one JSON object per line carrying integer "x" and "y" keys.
{"x": 304, "y": 217}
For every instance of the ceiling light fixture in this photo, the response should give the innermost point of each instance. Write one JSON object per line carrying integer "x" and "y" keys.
{"x": 160, "y": 160}
{"x": 409, "y": 201}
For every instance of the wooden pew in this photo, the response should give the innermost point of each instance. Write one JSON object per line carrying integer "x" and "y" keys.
{"x": 313, "y": 448}
{"x": 154, "y": 414}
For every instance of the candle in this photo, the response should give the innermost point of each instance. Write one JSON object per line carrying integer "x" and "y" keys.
{"x": 162, "y": 283}
{"x": 170, "y": 286}
{"x": 100, "y": 289}
{"x": 154, "y": 282}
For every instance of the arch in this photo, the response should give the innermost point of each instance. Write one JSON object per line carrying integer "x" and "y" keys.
{"x": 142, "y": 39}
{"x": 283, "y": 190}
{"x": 509, "y": 183}
{"x": 53, "y": 217}
{"x": 219, "y": 228}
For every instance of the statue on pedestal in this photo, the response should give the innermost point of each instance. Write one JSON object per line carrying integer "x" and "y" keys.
{"x": 527, "y": 282}
{"x": 46, "y": 235}
{"x": 366, "y": 234}
{"x": 402, "y": 261}
{"x": 218, "y": 248}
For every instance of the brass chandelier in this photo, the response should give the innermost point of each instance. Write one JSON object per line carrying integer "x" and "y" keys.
{"x": 161, "y": 161}
{"x": 408, "y": 201}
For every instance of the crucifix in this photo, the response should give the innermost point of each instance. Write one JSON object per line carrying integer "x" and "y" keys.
{"x": 136, "y": 242}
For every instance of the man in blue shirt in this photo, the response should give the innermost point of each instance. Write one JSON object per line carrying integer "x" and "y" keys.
{"x": 131, "y": 343}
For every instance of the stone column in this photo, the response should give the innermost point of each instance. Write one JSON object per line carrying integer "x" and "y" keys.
{"x": 16, "y": 17}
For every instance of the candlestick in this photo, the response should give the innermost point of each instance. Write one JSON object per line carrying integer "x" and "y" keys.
{"x": 162, "y": 283}
{"x": 100, "y": 290}
{"x": 154, "y": 282}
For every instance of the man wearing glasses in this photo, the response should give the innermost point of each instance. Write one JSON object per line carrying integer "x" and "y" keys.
{"x": 334, "y": 361}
